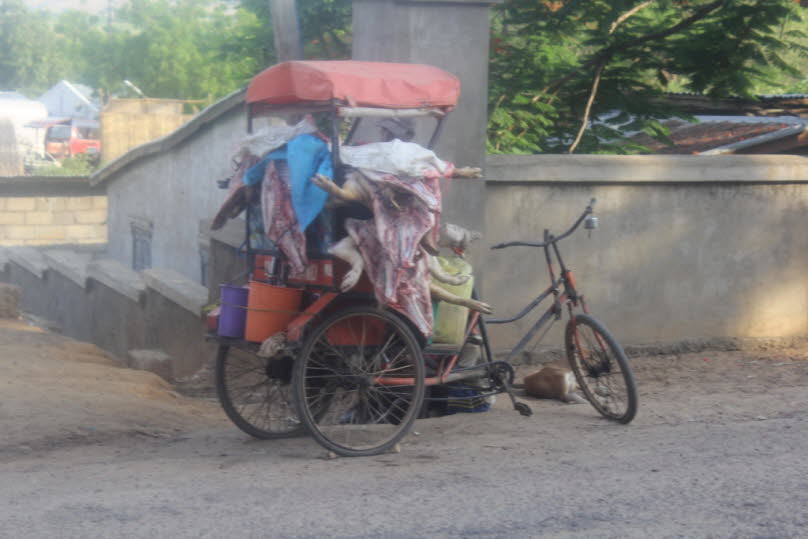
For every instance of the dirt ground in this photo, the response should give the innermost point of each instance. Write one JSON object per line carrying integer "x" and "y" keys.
{"x": 58, "y": 392}
{"x": 91, "y": 449}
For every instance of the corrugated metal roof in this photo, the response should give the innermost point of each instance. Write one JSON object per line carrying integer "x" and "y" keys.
{"x": 764, "y": 96}
{"x": 696, "y": 138}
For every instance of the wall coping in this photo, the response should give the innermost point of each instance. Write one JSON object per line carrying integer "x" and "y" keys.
{"x": 646, "y": 168}
{"x": 177, "y": 288}
{"x": 232, "y": 233}
{"x": 179, "y": 135}
{"x": 70, "y": 264}
{"x": 22, "y": 186}
{"x": 29, "y": 259}
{"x": 118, "y": 277}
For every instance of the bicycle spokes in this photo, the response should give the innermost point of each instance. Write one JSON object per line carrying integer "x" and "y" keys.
{"x": 600, "y": 372}
{"x": 359, "y": 381}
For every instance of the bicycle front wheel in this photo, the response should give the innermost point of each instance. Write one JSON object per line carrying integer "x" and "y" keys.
{"x": 601, "y": 368}
{"x": 359, "y": 381}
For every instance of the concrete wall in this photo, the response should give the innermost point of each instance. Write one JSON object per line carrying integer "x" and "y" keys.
{"x": 171, "y": 185}
{"x": 688, "y": 246}
{"x": 103, "y": 302}
{"x": 227, "y": 265}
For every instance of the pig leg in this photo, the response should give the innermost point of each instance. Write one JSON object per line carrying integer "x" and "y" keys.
{"x": 349, "y": 192}
{"x": 347, "y": 250}
{"x": 438, "y": 273}
{"x": 467, "y": 172}
{"x": 443, "y": 295}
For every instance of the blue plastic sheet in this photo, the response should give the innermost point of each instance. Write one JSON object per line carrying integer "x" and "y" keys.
{"x": 306, "y": 156}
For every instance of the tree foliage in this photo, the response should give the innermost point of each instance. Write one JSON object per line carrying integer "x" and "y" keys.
{"x": 182, "y": 48}
{"x": 556, "y": 65}
{"x": 79, "y": 165}
{"x": 30, "y": 62}
{"x": 188, "y": 49}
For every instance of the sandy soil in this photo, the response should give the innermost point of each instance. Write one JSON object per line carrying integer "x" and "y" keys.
{"x": 59, "y": 392}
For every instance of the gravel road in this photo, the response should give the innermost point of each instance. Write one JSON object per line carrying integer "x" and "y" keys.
{"x": 717, "y": 450}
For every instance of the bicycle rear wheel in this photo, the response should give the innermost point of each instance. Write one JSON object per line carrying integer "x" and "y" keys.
{"x": 359, "y": 381}
{"x": 601, "y": 368}
{"x": 255, "y": 398}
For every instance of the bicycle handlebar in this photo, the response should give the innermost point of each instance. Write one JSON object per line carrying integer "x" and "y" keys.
{"x": 553, "y": 239}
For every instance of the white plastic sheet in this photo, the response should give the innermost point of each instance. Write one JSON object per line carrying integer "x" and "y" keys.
{"x": 271, "y": 138}
{"x": 396, "y": 157}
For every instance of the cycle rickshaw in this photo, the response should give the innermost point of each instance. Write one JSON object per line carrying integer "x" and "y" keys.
{"x": 351, "y": 373}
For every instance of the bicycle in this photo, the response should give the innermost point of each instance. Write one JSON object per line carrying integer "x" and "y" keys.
{"x": 595, "y": 357}
{"x": 370, "y": 366}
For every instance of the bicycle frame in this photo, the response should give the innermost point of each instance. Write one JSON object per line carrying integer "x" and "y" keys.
{"x": 562, "y": 289}
{"x": 569, "y": 296}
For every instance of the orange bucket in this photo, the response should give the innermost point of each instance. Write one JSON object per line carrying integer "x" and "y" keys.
{"x": 270, "y": 309}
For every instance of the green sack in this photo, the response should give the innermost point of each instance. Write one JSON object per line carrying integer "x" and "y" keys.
{"x": 451, "y": 320}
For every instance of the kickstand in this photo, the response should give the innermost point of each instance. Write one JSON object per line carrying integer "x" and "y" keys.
{"x": 520, "y": 407}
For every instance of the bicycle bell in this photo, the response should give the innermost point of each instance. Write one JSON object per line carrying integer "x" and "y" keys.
{"x": 591, "y": 223}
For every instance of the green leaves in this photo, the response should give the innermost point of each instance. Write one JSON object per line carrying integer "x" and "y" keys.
{"x": 543, "y": 58}
{"x": 32, "y": 57}
{"x": 188, "y": 49}
{"x": 548, "y": 52}
{"x": 185, "y": 49}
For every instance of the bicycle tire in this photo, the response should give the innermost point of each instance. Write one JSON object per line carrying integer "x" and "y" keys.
{"x": 343, "y": 361}
{"x": 593, "y": 359}
{"x": 257, "y": 404}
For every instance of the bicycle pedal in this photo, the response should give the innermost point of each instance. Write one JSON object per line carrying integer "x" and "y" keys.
{"x": 523, "y": 409}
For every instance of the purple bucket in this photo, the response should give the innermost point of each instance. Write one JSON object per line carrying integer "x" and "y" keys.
{"x": 233, "y": 314}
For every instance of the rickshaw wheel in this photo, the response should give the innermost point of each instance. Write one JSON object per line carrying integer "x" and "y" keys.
{"x": 359, "y": 381}
{"x": 258, "y": 404}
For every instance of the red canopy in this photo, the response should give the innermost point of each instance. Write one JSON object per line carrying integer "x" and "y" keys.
{"x": 366, "y": 84}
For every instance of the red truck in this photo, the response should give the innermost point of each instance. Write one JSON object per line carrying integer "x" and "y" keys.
{"x": 71, "y": 137}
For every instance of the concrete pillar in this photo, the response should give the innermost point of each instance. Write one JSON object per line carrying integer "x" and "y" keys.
{"x": 452, "y": 35}
{"x": 285, "y": 26}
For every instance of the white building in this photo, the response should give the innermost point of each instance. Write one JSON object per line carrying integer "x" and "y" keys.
{"x": 69, "y": 100}
{"x": 20, "y": 111}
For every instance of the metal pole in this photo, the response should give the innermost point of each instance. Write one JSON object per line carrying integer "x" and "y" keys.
{"x": 288, "y": 43}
